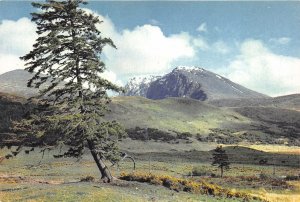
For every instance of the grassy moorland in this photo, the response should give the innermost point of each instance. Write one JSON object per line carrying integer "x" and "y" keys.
{"x": 256, "y": 124}
{"x": 33, "y": 178}
{"x": 174, "y": 138}
{"x": 173, "y": 116}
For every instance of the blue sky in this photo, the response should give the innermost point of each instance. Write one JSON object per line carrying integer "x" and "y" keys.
{"x": 256, "y": 44}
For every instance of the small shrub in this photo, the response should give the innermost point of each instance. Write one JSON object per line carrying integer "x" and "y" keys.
{"x": 87, "y": 179}
{"x": 264, "y": 176}
{"x": 292, "y": 177}
{"x": 198, "y": 171}
{"x": 184, "y": 136}
{"x": 250, "y": 178}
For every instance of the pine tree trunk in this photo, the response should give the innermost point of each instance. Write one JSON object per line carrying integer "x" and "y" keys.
{"x": 222, "y": 171}
{"x": 105, "y": 173}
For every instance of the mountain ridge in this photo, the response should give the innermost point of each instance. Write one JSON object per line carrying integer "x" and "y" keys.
{"x": 193, "y": 82}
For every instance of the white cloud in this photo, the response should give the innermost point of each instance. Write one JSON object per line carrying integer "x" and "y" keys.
{"x": 144, "y": 49}
{"x": 281, "y": 41}
{"x": 111, "y": 76}
{"x": 202, "y": 27}
{"x": 220, "y": 47}
{"x": 201, "y": 43}
{"x": 154, "y": 22}
{"x": 214, "y": 47}
{"x": 260, "y": 69}
{"x": 16, "y": 39}
{"x": 10, "y": 62}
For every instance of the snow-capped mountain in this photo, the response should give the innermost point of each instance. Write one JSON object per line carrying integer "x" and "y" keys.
{"x": 193, "y": 82}
{"x": 138, "y": 86}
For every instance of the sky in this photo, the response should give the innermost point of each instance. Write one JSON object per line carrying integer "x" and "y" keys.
{"x": 255, "y": 44}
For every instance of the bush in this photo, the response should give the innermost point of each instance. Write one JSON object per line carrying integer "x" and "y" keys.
{"x": 87, "y": 179}
{"x": 292, "y": 177}
{"x": 264, "y": 176}
{"x": 198, "y": 171}
{"x": 184, "y": 136}
{"x": 179, "y": 184}
{"x": 138, "y": 133}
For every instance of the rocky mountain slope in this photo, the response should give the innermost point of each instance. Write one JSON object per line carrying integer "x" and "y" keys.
{"x": 138, "y": 86}
{"x": 192, "y": 82}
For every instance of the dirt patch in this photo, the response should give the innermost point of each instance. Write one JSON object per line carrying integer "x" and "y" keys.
{"x": 21, "y": 179}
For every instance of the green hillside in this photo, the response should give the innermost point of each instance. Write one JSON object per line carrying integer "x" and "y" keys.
{"x": 173, "y": 114}
{"x": 182, "y": 118}
{"x": 11, "y": 108}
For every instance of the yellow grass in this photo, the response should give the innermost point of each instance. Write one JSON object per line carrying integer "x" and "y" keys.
{"x": 274, "y": 197}
{"x": 286, "y": 196}
{"x": 276, "y": 148}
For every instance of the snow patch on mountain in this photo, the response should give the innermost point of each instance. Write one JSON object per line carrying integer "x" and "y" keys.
{"x": 188, "y": 68}
{"x": 137, "y": 86}
{"x": 219, "y": 77}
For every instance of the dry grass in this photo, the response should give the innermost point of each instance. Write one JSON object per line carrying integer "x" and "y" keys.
{"x": 285, "y": 196}
{"x": 275, "y": 197}
{"x": 283, "y": 149}
{"x": 188, "y": 185}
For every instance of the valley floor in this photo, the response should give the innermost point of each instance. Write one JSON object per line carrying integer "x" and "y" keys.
{"x": 33, "y": 178}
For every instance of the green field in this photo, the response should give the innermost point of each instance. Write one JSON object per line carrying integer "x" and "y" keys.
{"x": 33, "y": 178}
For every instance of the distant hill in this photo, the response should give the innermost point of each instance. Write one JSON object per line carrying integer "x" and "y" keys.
{"x": 211, "y": 123}
{"x": 15, "y": 83}
{"x": 192, "y": 82}
{"x": 171, "y": 118}
{"x": 286, "y": 102}
{"x": 171, "y": 114}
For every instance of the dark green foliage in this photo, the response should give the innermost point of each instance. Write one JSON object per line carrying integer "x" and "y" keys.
{"x": 292, "y": 177}
{"x": 144, "y": 134}
{"x": 220, "y": 159}
{"x": 87, "y": 179}
{"x": 70, "y": 111}
{"x": 185, "y": 135}
{"x": 138, "y": 133}
{"x": 199, "y": 171}
{"x": 11, "y": 108}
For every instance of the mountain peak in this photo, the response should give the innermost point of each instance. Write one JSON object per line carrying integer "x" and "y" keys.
{"x": 188, "y": 68}
{"x": 190, "y": 81}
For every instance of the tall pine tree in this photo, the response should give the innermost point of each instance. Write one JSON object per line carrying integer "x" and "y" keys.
{"x": 72, "y": 103}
